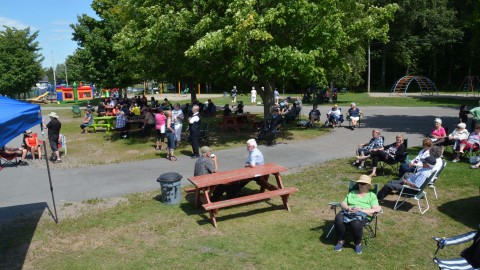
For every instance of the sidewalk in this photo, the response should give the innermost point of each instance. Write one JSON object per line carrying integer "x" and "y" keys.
{"x": 29, "y": 184}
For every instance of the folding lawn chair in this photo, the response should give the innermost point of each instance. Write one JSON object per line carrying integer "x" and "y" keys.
{"x": 458, "y": 263}
{"x": 434, "y": 179}
{"x": 415, "y": 193}
{"x": 394, "y": 165}
{"x": 76, "y": 111}
{"x": 370, "y": 226}
{"x": 8, "y": 159}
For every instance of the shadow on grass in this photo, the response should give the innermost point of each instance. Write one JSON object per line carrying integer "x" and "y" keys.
{"x": 463, "y": 210}
{"x": 190, "y": 209}
{"x": 17, "y": 227}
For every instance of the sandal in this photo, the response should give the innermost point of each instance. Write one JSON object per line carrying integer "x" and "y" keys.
{"x": 173, "y": 158}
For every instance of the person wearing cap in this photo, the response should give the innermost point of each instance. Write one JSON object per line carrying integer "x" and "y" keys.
{"x": 54, "y": 127}
{"x": 177, "y": 116}
{"x": 354, "y": 114}
{"x": 473, "y": 141}
{"x": 438, "y": 133}
{"x": 458, "y": 134}
{"x": 206, "y": 163}
{"x": 314, "y": 115}
{"x": 414, "y": 180}
{"x": 416, "y": 163}
{"x": 357, "y": 207}
{"x": 87, "y": 120}
{"x": 335, "y": 116}
{"x": 32, "y": 144}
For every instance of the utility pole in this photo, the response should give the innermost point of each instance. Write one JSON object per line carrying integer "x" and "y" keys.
{"x": 54, "y": 78}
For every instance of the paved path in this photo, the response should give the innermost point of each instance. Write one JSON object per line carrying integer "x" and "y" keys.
{"x": 29, "y": 184}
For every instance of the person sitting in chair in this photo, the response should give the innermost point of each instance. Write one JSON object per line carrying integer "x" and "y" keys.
{"x": 459, "y": 134}
{"x": 391, "y": 153}
{"x": 22, "y": 152}
{"x": 314, "y": 115}
{"x": 270, "y": 127}
{"x": 226, "y": 110}
{"x": 335, "y": 116}
{"x": 416, "y": 163}
{"x": 472, "y": 142}
{"x": 363, "y": 152}
{"x": 32, "y": 144}
{"x": 354, "y": 114}
{"x": 357, "y": 207}
{"x": 414, "y": 180}
{"x": 438, "y": 133}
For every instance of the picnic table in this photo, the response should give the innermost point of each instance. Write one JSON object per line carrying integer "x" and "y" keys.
{"x": 237, "y": 121}
{"x": 205, "y": 184}
{"x": 108, "y": 122}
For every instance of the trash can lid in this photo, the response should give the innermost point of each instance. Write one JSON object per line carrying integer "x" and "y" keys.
{"x": 169, "y": 177}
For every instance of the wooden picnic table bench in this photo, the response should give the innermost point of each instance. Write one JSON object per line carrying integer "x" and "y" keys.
{"x": 237, "y": 121}
{"x": 205, "y": 184}
{"x": 108, "y": 122}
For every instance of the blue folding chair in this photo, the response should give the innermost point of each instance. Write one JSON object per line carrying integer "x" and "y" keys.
{"x": 458, "y": 263}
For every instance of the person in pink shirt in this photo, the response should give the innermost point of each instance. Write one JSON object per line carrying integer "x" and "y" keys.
{"x": 438, "y": 132}
{"x": 160, "y": 121}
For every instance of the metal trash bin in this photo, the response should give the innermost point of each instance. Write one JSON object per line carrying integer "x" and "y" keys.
{"x": 170, "y": 187}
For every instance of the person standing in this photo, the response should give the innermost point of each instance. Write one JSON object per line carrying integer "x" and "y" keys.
{"x": 177, "y": 116}
{"x": 170, "y": 137}
{"x": 54, "y": 127}
{"x": 253, "y": 96}
{"x": 234, "y": 95}
{"x": 160, "y": 124}
{"x": 194, "y": 128}
{"x": 476, "y": 118}
{"x": 276, "y": 96}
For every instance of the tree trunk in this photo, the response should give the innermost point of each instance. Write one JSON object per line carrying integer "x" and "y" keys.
{"x": 267, "y": 97}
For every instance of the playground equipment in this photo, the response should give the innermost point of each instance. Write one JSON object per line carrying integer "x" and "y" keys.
{"x": 470, "y": 84}
{"x": 425, "y": 84}
{"x": 106, "y": 93}
{"x": 40, "y": 99}
{"x": 74, "y": 94}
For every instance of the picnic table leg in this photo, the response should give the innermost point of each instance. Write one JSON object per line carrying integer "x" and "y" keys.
{"x": 285, "y": 201}
{"x": 211, "y": 212}
{"x": 213, "y": 218}
{"x": 197, "y": 198}
{"x": 278, "y": 177}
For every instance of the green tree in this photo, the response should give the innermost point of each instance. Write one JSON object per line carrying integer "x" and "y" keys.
{"x": 20, "y": 65}
{"x": 266, "y": 42}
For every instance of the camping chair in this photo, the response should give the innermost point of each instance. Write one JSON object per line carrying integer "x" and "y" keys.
{"x": 394, "y": 165}
{"x": 359, "y": 122}
{"x": 370, "y": 226}
{"x": 8, "y": 159}
{"x": 76, "y": 111}
{"x": 62, "y": 144}
{"x": 435, "y": 177}
{"x": 458, "y": 263}
{"x": 415, "y": 193}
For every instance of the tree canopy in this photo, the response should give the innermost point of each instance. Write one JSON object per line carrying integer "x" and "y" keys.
{"x": 20, "y": 65}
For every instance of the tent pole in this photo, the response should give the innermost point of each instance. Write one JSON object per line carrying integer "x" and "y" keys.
{"x": 55, "y": 218}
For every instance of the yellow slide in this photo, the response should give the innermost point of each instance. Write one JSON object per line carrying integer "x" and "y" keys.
{"x": 39, "y": 99}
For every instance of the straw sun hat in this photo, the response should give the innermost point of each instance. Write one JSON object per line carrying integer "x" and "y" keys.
{"x": 365, "y": 179}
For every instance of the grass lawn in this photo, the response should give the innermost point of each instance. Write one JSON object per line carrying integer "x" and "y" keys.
{"x": 143, "y": 233}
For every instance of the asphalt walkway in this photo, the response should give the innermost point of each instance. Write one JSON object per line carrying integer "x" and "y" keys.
{"x": 29, "y": 184}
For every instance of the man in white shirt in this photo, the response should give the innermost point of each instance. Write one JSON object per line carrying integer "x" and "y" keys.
{"x": 253, "y": 96}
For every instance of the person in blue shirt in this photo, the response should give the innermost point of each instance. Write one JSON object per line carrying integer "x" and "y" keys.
{"x": 415, "y": 180}
{"x": 87, "y": 120}
{"x": 354, "y": 113}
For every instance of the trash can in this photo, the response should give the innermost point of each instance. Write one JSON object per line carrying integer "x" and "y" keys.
{"x": 170, "y": 187}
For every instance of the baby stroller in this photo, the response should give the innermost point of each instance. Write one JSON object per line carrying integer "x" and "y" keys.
{"x": 270, "y": 128}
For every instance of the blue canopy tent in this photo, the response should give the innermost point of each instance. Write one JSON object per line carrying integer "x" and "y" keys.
{"x": 15, "y": 118}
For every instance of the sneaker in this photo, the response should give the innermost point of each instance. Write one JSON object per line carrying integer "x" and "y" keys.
{"x": 473, "y": 167}
{"x": 355, "y": 163}
{"x": 195, "y": 156}
{"x": 22, "y": 163}
{"x": 358, "y": 249}
{"x": 57, "y": 161}
{"x": 338, "y": 247}
{"x": 456, "y": 160}
{"x": 360, "y": 167}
